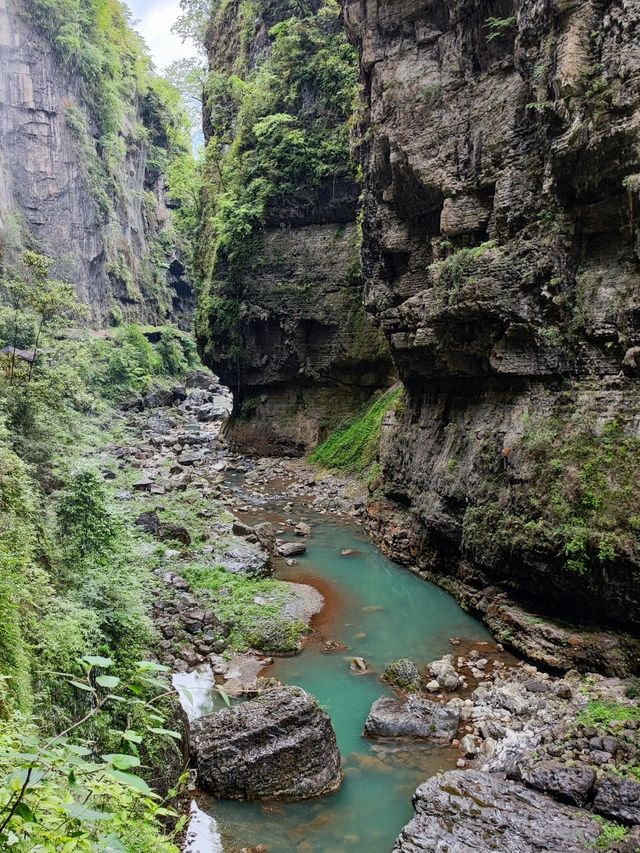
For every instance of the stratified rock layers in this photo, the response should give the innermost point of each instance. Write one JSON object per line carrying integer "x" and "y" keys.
{"x": 49, "y": 171}
{"x": 300, "y": 354}
{"x": 278, "y": 746}
{"x": 501, "y": 258}
{"x": 470, "y": 810}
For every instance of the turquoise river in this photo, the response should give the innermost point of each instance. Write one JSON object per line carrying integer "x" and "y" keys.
{"x": 381, "y": 612}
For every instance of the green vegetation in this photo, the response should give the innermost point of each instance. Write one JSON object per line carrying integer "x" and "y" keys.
{"x": 455, "y": 270}
{"x": 63, "y": 794}
{"x": 272, "y": 146}
{"x": 70, "y": 584}
{"x": 605, "y": 713}
{"x": 253, "y": 625}
{"x": 123, "y": 106}
{"x": 353, "y": 446}
{"x": 499, "y": 27}
{"x": 580, "y": 503}
{"x": 610, "y": 834}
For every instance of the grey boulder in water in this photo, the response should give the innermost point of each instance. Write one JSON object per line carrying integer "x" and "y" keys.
{"x": 278, "y": 746}
{"x": 415, "y": 718}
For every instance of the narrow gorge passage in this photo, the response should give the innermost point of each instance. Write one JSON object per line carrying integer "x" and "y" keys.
{"x": 373, "y": 609}
{"x": 319, "y": 426}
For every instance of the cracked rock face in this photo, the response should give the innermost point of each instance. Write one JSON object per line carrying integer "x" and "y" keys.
{"x": 309, "y": 352}
{"x": 501, "y": 258}
{"x": 466, "y": 811}
{"x": 416, "y": 718}
{"x": 278, "y": 746}
{"x": 46, "y": 188}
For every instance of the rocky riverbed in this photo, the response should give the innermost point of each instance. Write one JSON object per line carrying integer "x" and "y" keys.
{"x": 564, "y": 747}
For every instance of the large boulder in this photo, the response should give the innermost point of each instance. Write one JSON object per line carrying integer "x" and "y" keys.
{"x": 280, "y": 746}
{"x": 244, "y": 558}
{"x": 470, "y": 811}
{"x": 568, "y": 783}
{"x": 415, "y": 718}
{"x": 618, "y": 798}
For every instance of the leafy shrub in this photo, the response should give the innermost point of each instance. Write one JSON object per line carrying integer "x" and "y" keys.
{"x": 85, "y": 523}
{"x": 63, "y": 794}
{"x": 176, "y": 351}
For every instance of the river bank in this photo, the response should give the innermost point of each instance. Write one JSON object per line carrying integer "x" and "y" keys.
{"x": 188, "y": 495}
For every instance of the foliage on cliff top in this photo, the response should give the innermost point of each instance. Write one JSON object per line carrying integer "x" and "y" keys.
{"x": 353, "y": 446}
{"x": 117, "y": 108}
{"x": 277, "y": 133}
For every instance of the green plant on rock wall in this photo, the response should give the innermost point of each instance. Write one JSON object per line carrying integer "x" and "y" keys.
{"x": 277, "y": 134}
{"x": 354, "y": 445}
{"x": 579, "y": 502}
{"x": 499, "y": 27}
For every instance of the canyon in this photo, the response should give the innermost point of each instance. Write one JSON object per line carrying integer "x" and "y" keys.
{"x": 380, "y": 533}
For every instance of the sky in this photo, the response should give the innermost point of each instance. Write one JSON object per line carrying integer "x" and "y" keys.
{"x": 156, "y": 18}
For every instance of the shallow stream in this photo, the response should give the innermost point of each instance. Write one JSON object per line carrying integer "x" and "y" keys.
{"x": 380, "y": 612}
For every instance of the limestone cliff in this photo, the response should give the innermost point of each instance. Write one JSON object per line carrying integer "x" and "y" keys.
{"x": 280, "y": 314}
{"x": 99, "y": 210}
{"x": 501, "y": 255}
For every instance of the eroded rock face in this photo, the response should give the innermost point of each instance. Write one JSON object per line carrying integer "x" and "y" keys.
{"x": 618, "y": 798}
{"x": 500, "y": 167}
{"x": 469, "y": 810}
{"x": 47, "y": 196}
{"x": 568, "y": 783}
{"x": 309, "y": 354}
{"x": 278, "y": 746}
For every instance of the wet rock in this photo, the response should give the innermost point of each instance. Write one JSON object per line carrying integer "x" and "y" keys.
{"x": 469, "y": 745}
{"x": 359, "y": 665}
{"x": 467, "y": 810}
{"x": 291, "y": 549}
{"x": 403, "y": 673}
{"x": 415, "y": 718}
{"x": 618, "y": 798}
{"x": 243, "y": 558}
{"x": 149, "y": 522}
{"x": 278, "y": 746}
{"x": 302, "y": 529}
{"x": 567, "y": 783}
{"x": 173, "y": 533}
{"x": 242, "y": 529}
{"x": 445, "y": 673}
{"x": 143, "y": 484}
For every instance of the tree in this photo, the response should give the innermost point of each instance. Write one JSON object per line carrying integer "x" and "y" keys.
{"x": 188, "y": 76}
{"x": 32, "y": 294}
{"x": 49, "y": 299}
{"x": 191, "y": 25}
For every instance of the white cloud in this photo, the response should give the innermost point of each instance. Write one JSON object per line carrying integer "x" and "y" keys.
{"x": 155, "y": 27}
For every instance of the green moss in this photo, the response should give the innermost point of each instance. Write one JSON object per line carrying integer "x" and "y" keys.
{"x": 269, "y": 152}
{"x": 579, "y": 503}
{"x": 606, "y": 713}
{"x": 453, "y": 272}
{"x": 610, "y": 833}
{"x": 354, "y": 446}
{"x": 261, "y": 626}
